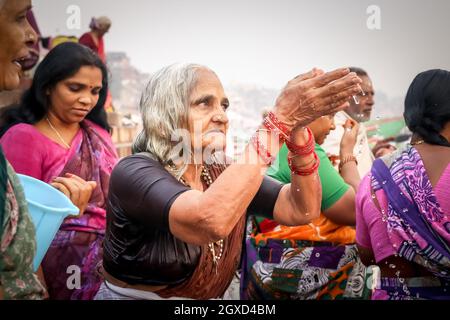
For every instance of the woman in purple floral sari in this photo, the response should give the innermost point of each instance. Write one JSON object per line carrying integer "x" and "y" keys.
{"x": 59, "y": 135}
{"x": 403, "y": 205}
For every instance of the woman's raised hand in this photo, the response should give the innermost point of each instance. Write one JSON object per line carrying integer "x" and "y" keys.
{"x": 350, "y": 136}
{"x": 76, "y": 189}
{"x": 315, "y": 94}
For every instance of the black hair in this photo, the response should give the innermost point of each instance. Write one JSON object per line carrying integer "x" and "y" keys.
{"x": 359, "y": 72}
{"x": 427, "y": 106}
{"x": 62, "y": 62}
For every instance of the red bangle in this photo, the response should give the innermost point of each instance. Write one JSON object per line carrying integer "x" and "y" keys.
{"x": 261, "y": 150}
{"x": 273, "y": 124}
{"x": 304, "y": 172}
{"x": 304, "y": 150}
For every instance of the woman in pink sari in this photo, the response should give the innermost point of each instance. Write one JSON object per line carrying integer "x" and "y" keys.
{"x": 59, "y": 134}
{"x": 403, "y": 205}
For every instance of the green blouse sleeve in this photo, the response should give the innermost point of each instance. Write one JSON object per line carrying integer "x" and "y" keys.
{"x": 333, "y": 186}
{"x": 280, "y": 168}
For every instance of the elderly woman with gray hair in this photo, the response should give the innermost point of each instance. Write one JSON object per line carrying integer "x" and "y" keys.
{"x": 177, "y": 211}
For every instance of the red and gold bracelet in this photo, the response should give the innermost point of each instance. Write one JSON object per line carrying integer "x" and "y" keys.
{"x": 304, "y": 150}
{"x": 272, "y": 123}
{"x": 292, "y": 156}
{"x": 261, "y": 150}
{"x": 304, "y": 172}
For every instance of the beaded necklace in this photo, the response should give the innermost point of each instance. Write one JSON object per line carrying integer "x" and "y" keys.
{"x": 212, "y": 245}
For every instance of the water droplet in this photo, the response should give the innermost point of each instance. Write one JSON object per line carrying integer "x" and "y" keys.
{"x": 298, "y": 190}
{"x": 317, "y": 255}
{"x": 405, "y": 290}
{"x": 397, "y": 273}
{"x": 401, "y": 280}
{"x": 392, "y": 266}
{"x": 374, "y": 196}
{"x": 405, "y": 210}
{"x": 384, "y": 182}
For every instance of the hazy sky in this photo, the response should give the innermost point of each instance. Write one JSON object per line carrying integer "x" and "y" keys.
{"x": 267, "y": 42}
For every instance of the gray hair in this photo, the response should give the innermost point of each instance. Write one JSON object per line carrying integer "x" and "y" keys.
{"x": 100, "y": 23}
{"x": 164, "y": 108}
{"x": 359, "y": 71}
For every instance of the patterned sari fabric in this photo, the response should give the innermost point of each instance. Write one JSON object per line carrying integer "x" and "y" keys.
{"x": 417, "y": 227}
{"x": 17, "y": 244}
{"x": 208, "y": 281}
{"x": 317, "y": 261}
{"x": 70, "y": 265}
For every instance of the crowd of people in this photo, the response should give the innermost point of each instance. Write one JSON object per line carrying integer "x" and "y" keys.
{"x": 307, "y": 211}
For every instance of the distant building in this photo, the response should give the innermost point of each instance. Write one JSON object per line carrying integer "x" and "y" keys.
{"x": 126, "y": 82}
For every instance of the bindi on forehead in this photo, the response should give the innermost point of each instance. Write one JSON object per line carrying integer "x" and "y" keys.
{"x": 88, "y": 74}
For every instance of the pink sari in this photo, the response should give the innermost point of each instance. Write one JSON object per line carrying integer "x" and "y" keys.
{"x": 76, "y": 250}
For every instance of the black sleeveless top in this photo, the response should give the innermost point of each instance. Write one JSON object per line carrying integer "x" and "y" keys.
{"x": 138, "y": 246}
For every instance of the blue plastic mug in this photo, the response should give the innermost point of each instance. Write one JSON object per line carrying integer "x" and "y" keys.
{"x": 48, "y": 208}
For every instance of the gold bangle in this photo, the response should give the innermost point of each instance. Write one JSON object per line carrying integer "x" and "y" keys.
{"x": 346, "y": 159}
{"x": 292, "y": 156}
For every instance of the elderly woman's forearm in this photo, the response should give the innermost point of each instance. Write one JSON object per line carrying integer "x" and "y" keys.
{"x": 306, "y": 194}
{"x": 227, "y": 199}
{"x": 305, "y": 191}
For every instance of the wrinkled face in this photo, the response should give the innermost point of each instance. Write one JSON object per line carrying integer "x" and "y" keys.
{"x": 73, "y": 98}
{"x": 207, "y": 120}
{"x": 16, "y": 35}
{"x": 321, "y": 128}
{"x": 361, "y": 112}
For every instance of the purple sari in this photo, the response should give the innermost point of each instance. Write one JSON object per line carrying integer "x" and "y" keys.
{"x": 418, "y": 229}
{"x": 70, "y": 265}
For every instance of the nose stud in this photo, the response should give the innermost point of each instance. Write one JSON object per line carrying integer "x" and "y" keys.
{"x": 30, "y": 37}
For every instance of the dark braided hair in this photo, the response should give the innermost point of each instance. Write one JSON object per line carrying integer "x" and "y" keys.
{"x": 427, "y": 106}
{"x": 61, "y": 63}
